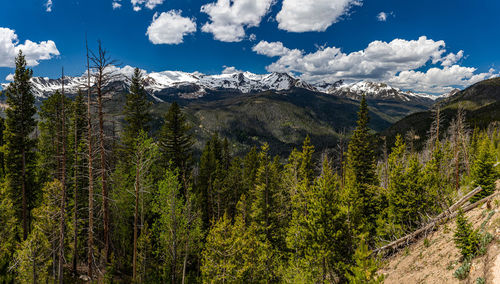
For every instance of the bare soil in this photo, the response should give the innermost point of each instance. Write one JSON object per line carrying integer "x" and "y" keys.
{"x": 434, "y": 259}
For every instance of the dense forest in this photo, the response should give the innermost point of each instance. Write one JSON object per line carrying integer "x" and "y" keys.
{"x": 79, "y": 202}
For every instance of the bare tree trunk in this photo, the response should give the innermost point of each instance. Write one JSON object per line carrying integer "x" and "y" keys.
{"x": 91, "y": 176}
{"x": 101, "y": 65}
{"x": 63, "y": 181}
{"x": 75, "y": 196}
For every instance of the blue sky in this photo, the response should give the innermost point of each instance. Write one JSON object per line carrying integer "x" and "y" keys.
{"x": 426, "y": 46}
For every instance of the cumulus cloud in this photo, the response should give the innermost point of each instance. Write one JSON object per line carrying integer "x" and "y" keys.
{"x": 252, "y": 37}
{"x": 170, "y": 28}
{"x": 48, "y": 6}
{"x": 9, "y": 77}
{"x": 270, "y": 49}
{"x": 436, "y": 80}
{"x": 229, "y": 18}
{"x": 150, "y": 4}
{"x": 452, "y": 58}
{"x": 116, "y": 4}
{"x": 230, "y": 70}
{"x": 312, "y": 15}
{"x": 34, "y": 52}
{"x": 394, "y": 62}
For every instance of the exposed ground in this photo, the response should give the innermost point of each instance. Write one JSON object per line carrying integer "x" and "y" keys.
{"x": 435, "y": 258}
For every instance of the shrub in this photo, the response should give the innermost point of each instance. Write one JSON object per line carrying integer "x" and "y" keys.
{"x": 463, "y": 271}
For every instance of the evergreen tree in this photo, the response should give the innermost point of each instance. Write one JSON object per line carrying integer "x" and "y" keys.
{"x": 136, "y": 111}
{"x": 176, "y": 142}
{"x": 361, "y": 178}
{"x": 77, "y": 146}
{"x": 407, "y": 197}
{"x": 267, "y": 200}
{"x": 50, "y": 139}
{"x": 318, "y": 233}
{"x": 483, "y": 171}
{"x": 19, "y": 150}
{"x": 235, "y": 252}
{"x": 465, "y": 237}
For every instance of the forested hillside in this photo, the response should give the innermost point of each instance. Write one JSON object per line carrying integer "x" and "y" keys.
{"x": 83, "y": 201}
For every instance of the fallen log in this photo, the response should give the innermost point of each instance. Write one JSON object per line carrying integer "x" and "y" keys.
{"x": 445, "y": 214}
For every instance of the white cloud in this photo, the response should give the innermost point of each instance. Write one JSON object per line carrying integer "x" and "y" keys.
{"x": 150, "y": 4}
{"x": 170, "y": 28}
{"x": 252, "y": 37}
{"x": 312, "y": 15}
{"x": 127, "y": 70}
{"x": 48, "y": 6}
{"x": 452, "y": 58}
{"x": 34, "y": 52}
{"x": 382, "y": 17}
{"x": 436, "y": 80}
{"x": 270, "y": 49}
{"x": 116, "y": 4}
{"x": 394, "y": 62}
{"x": 229, "y": 18}
{"x": 379, "y": 60}
{"x": 9, "y": 77}
{"x": 230, "y": 70}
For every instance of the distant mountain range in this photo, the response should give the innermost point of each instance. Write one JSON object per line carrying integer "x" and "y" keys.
{"x": 168, "y": 85}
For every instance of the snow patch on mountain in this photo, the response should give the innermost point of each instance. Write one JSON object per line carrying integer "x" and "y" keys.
{"x": 196, "y": 85}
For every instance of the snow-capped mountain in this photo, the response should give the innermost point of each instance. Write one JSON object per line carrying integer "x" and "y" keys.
{"x": 197, "y": 85}
{"x": 378, "y": 91}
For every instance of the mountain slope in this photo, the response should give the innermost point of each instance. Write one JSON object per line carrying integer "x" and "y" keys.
{"x": 435, "y": 260}
{"x": 481, "y": 102}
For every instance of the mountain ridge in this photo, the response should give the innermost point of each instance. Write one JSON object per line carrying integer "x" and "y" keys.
{"x": 196, "y": 85}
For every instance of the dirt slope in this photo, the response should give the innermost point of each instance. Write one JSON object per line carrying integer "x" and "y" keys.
{"x": 434, "y": 260}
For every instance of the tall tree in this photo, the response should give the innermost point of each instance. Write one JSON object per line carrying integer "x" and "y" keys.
{"x": 318, "y": 232}
{"x": 90, "y": 229}
{"x": 20, "y": 155}
{"x": 78, "y": 130}
{"x": 361, "y": 177}
{"x": 136, "y": 111}
{"x": 176, "y": 142}
{"x": 103, "y": 75}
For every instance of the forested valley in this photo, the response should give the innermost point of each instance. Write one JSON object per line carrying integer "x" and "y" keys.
{"x": 80, "y": 202}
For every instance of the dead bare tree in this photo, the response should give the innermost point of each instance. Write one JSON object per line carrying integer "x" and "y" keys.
{"x": 90, "y": 241}
{"x": 103, "y": 75}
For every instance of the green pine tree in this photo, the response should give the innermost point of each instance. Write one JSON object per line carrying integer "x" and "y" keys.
{"x": 483, "y": 171}
{"x": 361, "y": 178}
{"x": 318, "y": 233}
{"x": 19, "y": 148}
{"x": 465, "y": 237}
{"x": 136, "y": 111}
{"x": 176, "y": 141}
